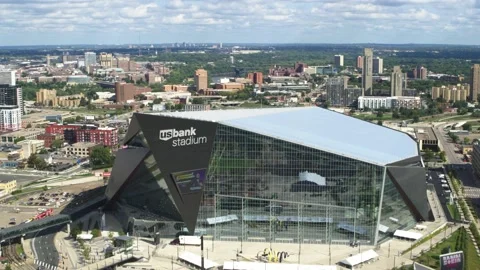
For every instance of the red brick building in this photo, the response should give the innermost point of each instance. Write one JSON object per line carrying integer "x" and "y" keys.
{"x": 74, "y": 133}
{"x": 49, "y": 138}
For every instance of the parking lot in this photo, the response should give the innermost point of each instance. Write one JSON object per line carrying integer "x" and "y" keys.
{"x": 54, "y": 198}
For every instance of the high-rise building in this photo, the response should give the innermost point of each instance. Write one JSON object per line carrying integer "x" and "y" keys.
{"x": 475, "y": 82}
{"x": 377, "y": 65}
{"x": 459, "y": 92}
{"x": 11, "y": 96}
{"x": 48, "y": 60}
{"x": 367, "y": 71}
{"x": 10, "y": 118}
{"x": 420, "y": 73}
{"x": 8, "y": 77}
{"x": 256, "y": 77}
{"x": 106, "y": 60}
{"x": 338, "y": 60}
{"x": 201, "y": 79}
{"x": 335, "y": 88}
{"x": 90, "y": 59}
{"x": 360, "y": 62}
{"x": 396, "y": 82}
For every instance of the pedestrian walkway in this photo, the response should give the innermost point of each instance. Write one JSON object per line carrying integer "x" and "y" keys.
{"x": 44, "y": 265}
{"x": 68, "y": 254}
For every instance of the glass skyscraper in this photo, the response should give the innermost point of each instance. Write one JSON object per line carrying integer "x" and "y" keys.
{"x": 305, "y": 175}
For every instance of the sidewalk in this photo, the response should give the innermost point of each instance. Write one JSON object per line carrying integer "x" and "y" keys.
{"x": 67, "y": 252}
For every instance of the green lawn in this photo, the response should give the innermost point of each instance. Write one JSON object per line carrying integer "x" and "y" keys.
{"x": 458, "y": 241}
{"x": 453, "y": 211}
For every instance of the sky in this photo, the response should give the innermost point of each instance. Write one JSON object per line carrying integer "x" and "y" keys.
{"x": 55, "y": 22}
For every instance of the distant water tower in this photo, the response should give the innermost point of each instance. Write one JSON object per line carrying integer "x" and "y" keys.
{"x": 156, "y": 52}
{"x": 232, "y": 59}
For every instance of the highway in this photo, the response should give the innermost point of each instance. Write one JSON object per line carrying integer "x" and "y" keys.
{"x": 43, "y": 247}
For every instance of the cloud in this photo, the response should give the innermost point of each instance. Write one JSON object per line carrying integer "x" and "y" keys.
{"x": 118, "y": 21}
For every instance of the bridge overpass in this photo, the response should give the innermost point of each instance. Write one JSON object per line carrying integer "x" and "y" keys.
{"x": 64, "y": 218}
{"x": 108, "y": 262}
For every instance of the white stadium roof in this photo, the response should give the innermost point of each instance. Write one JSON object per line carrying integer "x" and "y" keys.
{"x": 317, "y": 128}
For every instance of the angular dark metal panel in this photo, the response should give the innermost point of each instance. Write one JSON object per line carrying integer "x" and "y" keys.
{"x": 406, "y": 162}
{"x": 410, "y": 183}
{"x": 181, "y": 156}
{"x": 133, "y": 129}
{"x": 126, "y": 161}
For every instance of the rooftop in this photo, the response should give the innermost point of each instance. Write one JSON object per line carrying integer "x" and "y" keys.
{"x": 23, "y": 132}
{"x": 84, "y": 144}
{"x": 317, "y": 128}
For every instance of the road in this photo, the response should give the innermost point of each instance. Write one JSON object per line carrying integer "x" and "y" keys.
{"x": 447, "y": 145}
{"x": 436, "y": 182}
{"x": 43, "y": 247}
{"x": 21, "y": 178}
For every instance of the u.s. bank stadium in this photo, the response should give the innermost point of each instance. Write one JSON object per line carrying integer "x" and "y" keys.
{"x": 305, "y": 175}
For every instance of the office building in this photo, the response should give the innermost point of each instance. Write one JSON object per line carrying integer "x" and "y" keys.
{"x": 475, "y": 82}
{"x": 90, "y": 60}
{"x": 30, "y": 147}
{"x": 27, "y": 134}
{"x": 378, "y": 65}
{"x": 360, "y": 62}
{"x": 367, "y": 72}
{"x": 375, "y": 103}
{"x": 8, "y": 185}
{"x": 11, "y": 96}
{"x": 10, "y": 118}
{"x": 335, "y": 88}
{"x": 106, "y": 60}
{"x": 201, "y": 79}
{"x": 338, "y": 60}
{"x": 396, "y": 81}
{"x": 81, "y": 149}
{"x": 8, "y": 77}
{"x": 126, "y": 91}
{"x": 459, "y": 92}
{"x": 267, "y": 175}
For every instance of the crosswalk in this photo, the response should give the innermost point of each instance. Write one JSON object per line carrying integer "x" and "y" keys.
{"x": 44, "y": 265}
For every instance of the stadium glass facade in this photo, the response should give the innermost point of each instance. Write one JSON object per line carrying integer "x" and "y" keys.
{"x": 258, "y": 188}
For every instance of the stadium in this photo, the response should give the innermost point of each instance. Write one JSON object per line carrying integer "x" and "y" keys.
{"x": 305, "y": 174}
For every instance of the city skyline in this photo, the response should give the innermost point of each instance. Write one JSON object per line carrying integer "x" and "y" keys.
{"x": 52, "y": 22}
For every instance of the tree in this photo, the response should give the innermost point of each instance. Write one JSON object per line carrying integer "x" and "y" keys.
{"x": 416, "y": 119}
{"x": 467, "y": 126}
{"x": 101, "y": 157}
{"x": 442, "y": 156}
{"x": 157, "y": 101}
{"x": 43, "y": 151}
{"x": 69, "y": 120}
{"x": 379, "y": 114}
{"x": 198, "y": 101}
{"x": 57, "y": 143}
{"x": 466, "y": 140}
{"x": 19, "y": 139}
{"x": 96, "y": 233}
{"x": 380, "y": 122}
{"x": 428, "y": 154}
{"x": 29, "y": 125}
